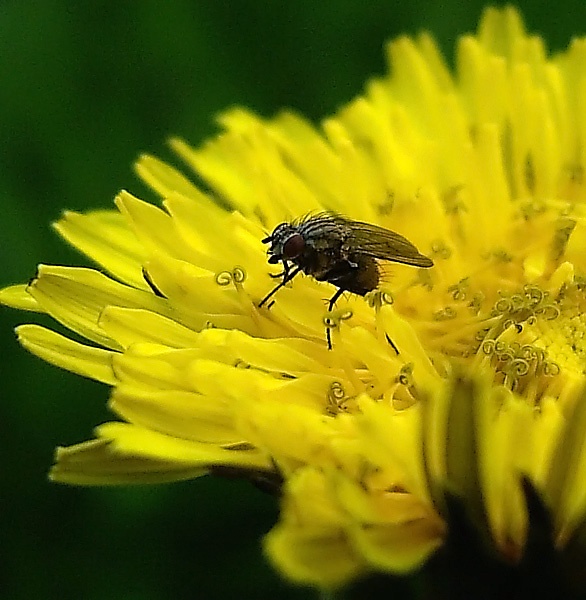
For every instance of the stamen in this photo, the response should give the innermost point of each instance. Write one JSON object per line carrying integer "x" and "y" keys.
{"x": 475, "y": 305}
{"x": 549, "y": 312}
{"x": 332, "y": 319}
{"x": 379, "y": 298}
{"x": 459, "y": 290}
{"x": 518, "y": 367}
{"x": 224, "y": 278}
{"x": 334, "y": 398}
{"x": 551, "y": 369}
{"x": 405, "y": 376}
{"x": 440, "y": 249}
{"x": 445, "y": 314}
{"x": 239, "y": 274}
{"x": 453, "y": 202}
{"x": 337, "y": 401}
{"x": 236, "y": 276}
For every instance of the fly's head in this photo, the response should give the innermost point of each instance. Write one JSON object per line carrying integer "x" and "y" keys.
{"x": 286, "y": 242}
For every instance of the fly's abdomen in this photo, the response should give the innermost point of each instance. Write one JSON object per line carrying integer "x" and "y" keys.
{"x": 363, "y": 278}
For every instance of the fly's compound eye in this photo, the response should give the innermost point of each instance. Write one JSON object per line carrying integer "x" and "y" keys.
{"x": 293, "y": 246}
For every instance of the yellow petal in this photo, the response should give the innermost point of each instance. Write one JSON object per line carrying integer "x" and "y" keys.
{"x": 106, "y": 238}
{"x": 397, "y": 548}
{"x": 313, "y": 556}
{"x": 568, "y": 467}
{"x": 134, "y": 441}
{"x": 76, "y": 297}
{"x": 94, "y": 463}
{"x": 131, "y": 325}
{"x": 177, "y": 413}
{"x": 62, "y": 352}
{"x": 164, "y": 179}
{"x": 154, "y": 227}
{"x": 17, "y": 296}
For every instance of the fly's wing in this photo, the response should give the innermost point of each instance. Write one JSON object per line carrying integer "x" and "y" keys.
{"x": 384, "y": 244}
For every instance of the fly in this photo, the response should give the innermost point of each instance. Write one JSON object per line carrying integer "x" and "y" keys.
{"x": 343, "y": 252}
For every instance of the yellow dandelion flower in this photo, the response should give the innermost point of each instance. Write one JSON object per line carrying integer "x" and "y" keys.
{"x": 452, "y": 399}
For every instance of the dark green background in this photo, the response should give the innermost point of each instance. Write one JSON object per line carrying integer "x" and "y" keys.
{"x": 85, "y": 87}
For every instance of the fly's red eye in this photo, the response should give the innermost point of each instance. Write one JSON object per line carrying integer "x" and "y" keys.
{"x": 294, "y": 246}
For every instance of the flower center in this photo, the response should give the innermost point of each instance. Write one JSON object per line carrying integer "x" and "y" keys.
{"x": 532, "y": 339}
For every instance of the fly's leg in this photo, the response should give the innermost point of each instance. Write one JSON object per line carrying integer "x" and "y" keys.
{"x": 288, "y": 276}
{"x": 331, "y": 304}
{"x": 284, "y": 273}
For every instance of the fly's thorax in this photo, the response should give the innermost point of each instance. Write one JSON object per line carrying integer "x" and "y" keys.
{"x": 323, "y": 234}
{"x": 311, "y": 261}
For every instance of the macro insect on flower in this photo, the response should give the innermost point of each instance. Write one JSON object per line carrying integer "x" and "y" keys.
{"x": 464, "y": 456}
{"x": 343, "y": 252}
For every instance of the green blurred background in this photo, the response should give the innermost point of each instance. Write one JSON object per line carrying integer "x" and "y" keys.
{"x": 84, "y": 88}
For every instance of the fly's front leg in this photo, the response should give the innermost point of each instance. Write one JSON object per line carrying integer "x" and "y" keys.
{"x": 288, "y": 275}
{"x": 284, "y": 273}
